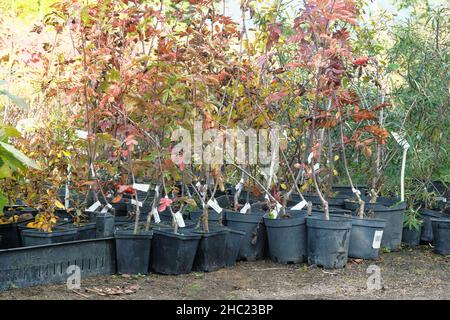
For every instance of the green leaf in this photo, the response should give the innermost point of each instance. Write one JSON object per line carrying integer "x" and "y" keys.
{"x": 19, "y": 155}
{"x": 8, "y": 132}
{"x": 3, "y": 201}
{"x": 15, "y": 99}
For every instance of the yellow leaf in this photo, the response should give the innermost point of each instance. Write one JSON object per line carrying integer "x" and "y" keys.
{"x": 336, "y": 157}
{"x": 335, "y": 172}
{"x": 283, "y": 186}
{"x": 59, "y": 204}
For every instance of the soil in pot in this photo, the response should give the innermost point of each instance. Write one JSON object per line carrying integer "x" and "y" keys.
{"x": 133, "y": 251}
{"x": 328, "y": 241}
{"x": 366, "y": 237}
{"x": 210, "y": 254}
{"x": 389, "y": 209}
{"x": 286, "y": 237}
{"x": 411, "y": 237}
{"x": 426, "y": 235}
{"x": 10, "y": 232}
{"x": 441, "y": 235}
{"x": 35, "y": 237}
{"x": 232, "y": 246}
{"x": 173, "y": 253}
{"x": 254, "y": 242}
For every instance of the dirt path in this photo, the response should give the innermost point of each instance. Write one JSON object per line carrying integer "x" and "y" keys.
{"x": 409, "y": 274}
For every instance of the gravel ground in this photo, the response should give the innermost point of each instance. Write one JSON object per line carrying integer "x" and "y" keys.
{"x": 407, "y": 274}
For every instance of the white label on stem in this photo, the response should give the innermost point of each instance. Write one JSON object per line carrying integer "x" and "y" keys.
{"x": 81, "y": 134}
{"x": 356, "y": 191}
{"x": 136, "y": 203}
{"x": 443, "y": 199}
{"x": 377, "y": 239}
{"x": 278, "y": 207}
{"x": 400, "y": 140}
{"x": 300, "y": 205}
{"x": 94, "y": 206}
{"x": 245, "y": 208}
{"x": 141, "y": 187}
{"x": 213, "y": 204}
{"x": 266, "y": 197}
{"x": 310, "y": 157}
{"x": 316, "y": 166}
{"x": 179, "y": 219}
{"x": 67, "y": 197}
{"x": 155, "y": 215}
{"x": 240, "y": 184}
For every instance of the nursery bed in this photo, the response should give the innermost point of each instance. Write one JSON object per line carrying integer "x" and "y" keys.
{"x": 407, "y": 274}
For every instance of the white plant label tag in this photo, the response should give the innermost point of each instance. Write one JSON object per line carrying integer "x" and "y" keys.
{"x": 310, "y": 157}
{"x": 105, "y": 208}
{"x": 213, "y": 204}
{"x": 377, "y": 239}
{"x": 266, "y": 197}
{"x": 300, "y": 205}
{"x": 141, "y": 187}
{"x": 136, "y": 203}
{"x": 400, "y": 140}
{"x": 155, "y": 215}
{"x": 278, "y": 207}
{"x": 179, "y": 219}
{"x": 81, "y": 134}
{"x": 93, "y": 207}
{"x": 240, "y": 184}
{"x": 356, "y": 191}
{"x": 245, "y": 208}
{"x": 316, "y": 166}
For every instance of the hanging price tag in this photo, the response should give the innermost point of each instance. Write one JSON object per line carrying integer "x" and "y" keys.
{"x": 141, "y": 187}
{"x": 179, "y": 219}
{"x": 155, "y": 215}
{"x": 316, "y": 166}
{"x": 81, "y": 134}
{"x": 93, "y": 207}
{"x": 214, "y": 205}
{"x": 300, "y": 205}
{"x": 310, "y": 156}
{"x": 377, "y": 239}
{"x": 245, "y": 208}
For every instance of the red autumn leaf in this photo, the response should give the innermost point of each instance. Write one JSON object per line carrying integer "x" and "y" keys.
{"x": 164, "y": 203}
{"x": 125, "y": 189}
{"x": 361, "y": 61}
{"x": 381, "y": 106}
{"x": 364, "y": 114}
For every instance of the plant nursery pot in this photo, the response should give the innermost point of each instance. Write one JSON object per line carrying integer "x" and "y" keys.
{"x": 254, "y": 242}
{"x": 366, "y": 237}
{"x": 166, "y": 215}
{"x": 10, "y": 232}
{"x": 426, "y": 235}
{"x": 173, "y": 253}
{"x": 34, "y": 237}
{"x": 86, "y": 231}
{"x": 213, "y": 216}
{"x": 133, "y": 251}
{"x": 210, "y": 254}
{"x": 336, "y": 201}
{"x": 441, "y": 235}
{"x": 347, "y": 190}
{"x": 287, "y": 238}
{"x": 411, "y": 237}
{"x": 104, "y": 225}
{"x": 232, "y": 246}
{"x": 328, "y": 241}
{"x": 389, "y": 209}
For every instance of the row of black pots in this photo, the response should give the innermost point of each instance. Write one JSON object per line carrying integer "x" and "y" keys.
{"x": 161, "y": 250}
{"x": 9, "y": 233}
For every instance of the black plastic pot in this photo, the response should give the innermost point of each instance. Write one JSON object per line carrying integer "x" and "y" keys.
{"x": 347, "y": 190}
{"x": 213, "y": 216}
{"x": 426, "y": 235}
{"x": 35, "y": 237}
{"x": 232, "y": 246}
{"x": 86, "y": 231}
{"x": 104, "y": 225}
{"x": 10, "y": 232}
{"x": 366, "y": 237}
{"x": 411, "y": 237}
{"x": 441, "y": 235}
{"x": 287, "y": 238}
{"x": 254, "y": 242}
{"x": 336, "y": 201}
{"x": 389, "y": 209}
{"x": 210, "y": 254}
{"x": 328, "y": 241}
{"x": 173, "y": 253}
{"x": 133, "y": 251}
